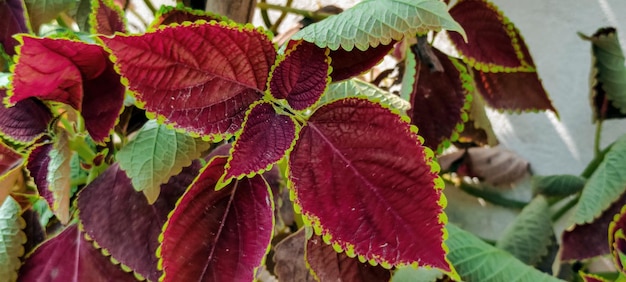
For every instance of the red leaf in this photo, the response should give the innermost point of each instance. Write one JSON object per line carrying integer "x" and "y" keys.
{"x": 70, "y": 72}
{"x": 329, "y": 265}
{"x": 111, "y": 209}
{"x": 26, "y": 121}
{"x": 201, "y": 77}
{"x": 617, "y": 238}
{"x": 37, "y": 165}
{"x": 360, "y": 175}
{"x": 12, "y": 21}
{"x": 515, "y": 91}
{"x": 591, "y": 277}
{"x": 170, "y": 14}
{"x": 347, "y": 64}
{"x": 493, "y": 43}
{"x": 69, "y": 257}
{"x": 217, "y": 235}
{"x": 440, "y": 100}
{"x": 264, "y": 140}
{"x": 106, "y": 18}
{"x": 301, "y": 76}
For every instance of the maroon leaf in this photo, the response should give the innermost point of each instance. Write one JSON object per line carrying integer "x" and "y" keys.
{"x": 264, "y": 140}
{"x": 587, "y": 277}
{"x": 440, "y": 100}
{"x": 361, "y": 176}
{"x": 70, "y": 72}
{"x": 617, "y": 239}
{"x": 514, "y": 91}
{"x": 289, "y": 258}
{"x": 106, "y": 18}
{"x": 37, "y": 165}
{"x": 346, "y": 64}
{"x": 69, "y": 257}
{"x": 493, "y": 43}
{"x": 301, "y": 76}
{"x": 35, "y": 233}
{"x": 329, "y": 265}
{"x": 179, "y": 14}
{"x": 12, "y": 21}
{"x": 26, "y": 121}
{"x": 217, "y": 235}
{"x": 111, "y": 209}
{"x": 201, "y": 77}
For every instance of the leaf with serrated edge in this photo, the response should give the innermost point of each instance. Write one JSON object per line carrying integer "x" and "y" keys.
{"x": 364, "y": 181}
{"x": 557, "y": 185}
{"x": 199, "y": 77}
{"x": 226, "y": 241}
{"x": 617, "y": 239}
{"x": 355, "y": 87}
{"x": 24, "y": 122}
{"x": 13, "y": 20}
{"x": 37, "y": 166}
{"x": 493, "y": 42}
{"x": 11, "y": 238}
{"x": 604, "y": 186}
{"x": 301, "y": 75}
{"x": 43, "y": 11}
{"x": 420, "y": 274}
{"x": 529, "y": 236}
{"x": 373, "y": 22}
{"x": 588, "y": 277}
{"x": 110, "y": 209}
{"x": 347, "y": 64}
{"x": 70, "y": 257}
{"x": 106, "y": 18}
{"x": 157, "y": 153}
{"x": 179, "y": 14}
{"x": 57, "y": 176}
{"x": 265, "y": 139}
{"x": 476, "y": 260}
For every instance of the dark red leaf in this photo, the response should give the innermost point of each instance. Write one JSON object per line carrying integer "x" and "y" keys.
{"x": 265, "y": 139}
{"x": 217, "y": 235}
{"x": 35, "y": 233}
{"x": 106, "y": 18}
{"x": 37, "y": 165}
{"x": 493, "y": 43}
{"x": 69, "y": 257}
{"x": 301, "y": 76}
{"x": 362, "y": 177}
{"x": 347, "y": 64}
{"x": 514, "y": 91}
{"x": 201, "y": 77}
{"x": 179, "y": 14}
{"x": 111, "y": 209}
{"x": 24, "y": 122}
{"x": 289, "y": 258}
{"x": 617, "y": 239}
{"x": 587, "y": 277}
{"x": 329, "y": 265}
{"x": 12, "y": 21}
{"x": 440, "y": 100}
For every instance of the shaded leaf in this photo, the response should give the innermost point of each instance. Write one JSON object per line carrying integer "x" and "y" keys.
{"x": 156, "y": 154}
{"x": 557, "y": 185}
{"x": 69, "y": 257}
{"x": 441, "y": 96}
{"x": 57, "y": 176}
{"x": 35, "y": 234}
{"x": 24, "y": 122}
{"x": 11, "y": 238}
{"x": 265, "y": 139}
{"x": 300, "y": 75}
{"x": 604, "y": 186}
{"x": 476, "y": 260}
{"x": 106, "y": 18}
{"x": 111, "y": 209}
{"x": 530, "y": 235}
{"x": 44, "y": 11}
{"x": 199, "y": 77}
{"x": 356, "y": 87}
{"x": 370, "y": 23}
{"x": 226, "y": 241}
{"x": 347, "y": 64}
{"x": 478, "y": 129}
{"x": 12, "y": 21}
{"x": 588, "y": 277}
{"x": 10, "y": 169}
{"x": 290, "y": 264}
{"x": 356, "y": 160}
{"x": 37, "y": 166}
{"x": 420, "y": 274}
{"x": 617, "y": 239}
{"x": 493, "y": 42}
{"x": 329, "y": 265}
{"x": 179, "y": 14}
{"x": 608, "y": 75}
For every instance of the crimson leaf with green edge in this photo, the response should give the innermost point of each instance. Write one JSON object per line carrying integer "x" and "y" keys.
{"x": 179, "y": 14}
{"x": 37, "y": 165}
{"x": 25, "y": 121}
{"x": 106, "y": 18}
{"x": 200, "y": 77}
{"x": 69, "y": 257}
{"x": 347, "y": 64}
{"x": 12, "y": 21}
{"x": 226, "y": 233}
{"x": 357, "y": 160}
{"x": 587, "y": 277}
{"x": 110, "y": 209}
{"x": 617, "y": 239}
{"x": 73, "y": 73}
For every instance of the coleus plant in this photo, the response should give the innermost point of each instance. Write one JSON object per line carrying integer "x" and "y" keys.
{"x": 163, "y": 203}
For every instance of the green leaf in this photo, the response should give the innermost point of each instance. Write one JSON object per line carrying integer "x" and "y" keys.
{"x": 557, "y": 185}
{"x": 356, "y": 87}
{"x": 11, "y": 239}
{"x": 604, "y": 186}
{"x": 530, "y": 235}
{"x": 420, "y": 274}
{"x": 59, "y": 169}
{"x": 43, "y": 11}
{"x": 476, "y": 260}
{"x": 156, "y": 154}
{"x": 373, "y": 22}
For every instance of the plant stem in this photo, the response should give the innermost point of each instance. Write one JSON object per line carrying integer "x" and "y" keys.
{"x": 265, "y": 17}
{"x": 150, "y": 6}
{"x": 83, "y": 150}
{"x": 597, "y": 160}
{"x": 274, "y": 27}
{"x": 559, "y": 213}
{"x": 596, "y": 141}
{"x": 491, "y": 197}
{"x": 308, "y": 14}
